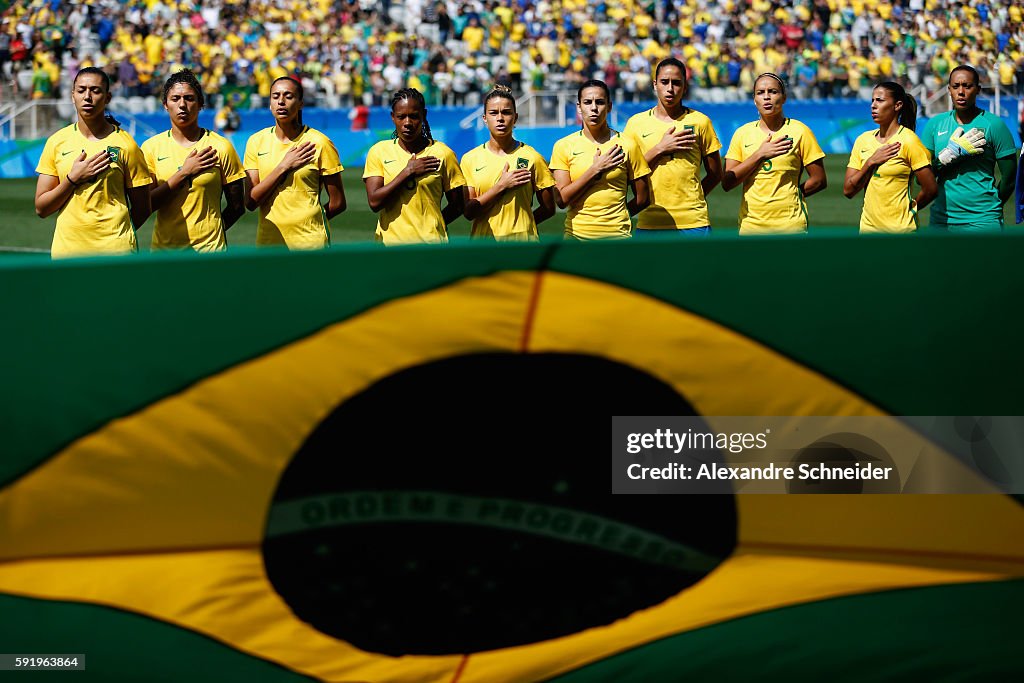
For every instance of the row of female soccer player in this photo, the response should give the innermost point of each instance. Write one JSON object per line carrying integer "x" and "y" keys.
{"x": 102, "y": 183}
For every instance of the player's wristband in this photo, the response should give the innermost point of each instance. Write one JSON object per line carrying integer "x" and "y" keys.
{"x": 73, "y": 183}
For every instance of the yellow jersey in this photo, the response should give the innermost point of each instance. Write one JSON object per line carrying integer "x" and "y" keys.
{"x": 512, "y": 212}
{"x": 772, "y": 204}
{"x": 677, "y": 198}
{"x": 293, "y": 215}
{"x": 95, "y": 219}
{"x": 888, "y": 207}
{"x": 601, "y": 211}
{"x": 191, "y": 219}
{"x": 413, "y": 212}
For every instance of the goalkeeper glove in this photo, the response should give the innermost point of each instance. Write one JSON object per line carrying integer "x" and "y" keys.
{"x": 962, "y": 144}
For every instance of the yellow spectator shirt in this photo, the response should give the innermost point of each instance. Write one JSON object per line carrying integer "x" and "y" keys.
{"x": 292, "y": 215}
{"x": 888, "y": 207}
{"x": 512, "y": 212}
{"x": 95, "y": 219}
{"x": 413, "y": 213}
{"x": 677, "y": 199}
{"x": 601, "y": 211}
{"x": 473, "y": 36}
{"x": 191, "y": 217}
{"x": 771, "y": 203}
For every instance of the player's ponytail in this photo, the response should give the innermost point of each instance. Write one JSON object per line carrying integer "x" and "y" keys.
{"x": 907, "y": 116}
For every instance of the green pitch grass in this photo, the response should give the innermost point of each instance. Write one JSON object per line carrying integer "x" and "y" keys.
{"x": 21, "y": 229}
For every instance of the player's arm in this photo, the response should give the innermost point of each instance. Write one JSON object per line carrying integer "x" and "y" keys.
{"x": 234, "y": 194}
{"x": 336, "y": 202}
{"x": 456, "y": 204}
{"x": 671, "y": 142}
{"x": 1007, "y": 178}
{"x": 712, "y": 172}
{"x": 929, "y": 188}
{"x": 571, "y": 191}
{"x": 139, "y": 207}
{"x": 378, "y": 193}
{"x": 641, "y": 195}
{"x": 261, "y": 188}
{"x": 478, "y": 204}
{"x": 195, "y": 163}
{"x": 52, "y": 193}
{"x": 737, "y": 172}
{"x": 816, "y": 179}
{"x": 857, "y": 178}
{"x": 545, "y": 205}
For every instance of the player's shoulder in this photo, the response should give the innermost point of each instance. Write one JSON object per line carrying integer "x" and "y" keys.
{"x": 216, "y": 138}
{"x": 996, "y": 124}
{"x": 65, "y": 133}
{"x": 931, "y": 124}
{"x": 627, "y": 142}
{"x": 698, "y": 118}
{"x": 747, "y": 129}
{"x": 381, "y": 149}
{"x": 438, "y": 148}
{"x": 124, "y": 138}
{"x": 153, "y": 141}
{"x": 318, "y": 137}
{"x": 473, "y": 155}
{"x": 259, "y": 137}
{"x": 864, "y": 138}
{"x": 530, "y": 152}
{"x": 638, "y": 120}
{"x": 570, "y": 140}
{"x": 800, "y": 127}
{"x": 908, "y": 135}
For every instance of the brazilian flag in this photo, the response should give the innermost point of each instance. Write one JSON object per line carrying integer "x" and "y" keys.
{"x": 370, "y": 465}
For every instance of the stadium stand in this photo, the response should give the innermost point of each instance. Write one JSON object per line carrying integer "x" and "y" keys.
{"x": 357, "y": 51}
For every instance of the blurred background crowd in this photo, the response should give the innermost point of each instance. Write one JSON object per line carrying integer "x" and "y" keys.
{"x": 359, "y": 51}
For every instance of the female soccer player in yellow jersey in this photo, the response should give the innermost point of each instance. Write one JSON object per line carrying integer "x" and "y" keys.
{"x": 287, "y": 166}
{"x": 883, "y": 160}
{"x": 192, "y": 167}
{"x": 594, "y": 169}
{"x": 503, "y": 175}
{"x": 94, "y": 175}
{"x": 406, "y": 177}
{"x": 675, "y": 141}
{"x": 768, "y": 157}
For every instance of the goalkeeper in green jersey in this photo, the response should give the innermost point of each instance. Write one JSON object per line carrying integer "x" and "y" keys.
{"x": 967, "y": 146}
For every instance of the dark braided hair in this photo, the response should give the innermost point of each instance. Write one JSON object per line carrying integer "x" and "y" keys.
{"x": 107, "y": 116}
{"x": 908, "y": 112}
{"x": 298, "y": 85}
{"x": 417, "y": 97}
{"x": 187, "y": 77}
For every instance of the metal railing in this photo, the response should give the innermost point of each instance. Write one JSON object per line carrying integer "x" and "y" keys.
{"x": 36, "y": 119}
{"x": 938, "y": 102}
{"x": 538, "y": 108}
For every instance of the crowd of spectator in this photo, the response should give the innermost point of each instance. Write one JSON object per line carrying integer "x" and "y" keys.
{"x": 359, "y": 51}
